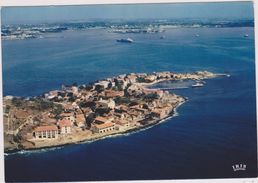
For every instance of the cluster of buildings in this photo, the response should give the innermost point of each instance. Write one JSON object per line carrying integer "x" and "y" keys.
{"x": 28, "y": 31}
{"x": 111, "y": 105}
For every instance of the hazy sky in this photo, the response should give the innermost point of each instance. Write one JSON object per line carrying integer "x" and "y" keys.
{"x": 229, "y": 10}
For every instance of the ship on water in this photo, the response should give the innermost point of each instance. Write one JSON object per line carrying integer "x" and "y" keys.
{"x": 198, "y": 84}
{"x": 128, "y": 40}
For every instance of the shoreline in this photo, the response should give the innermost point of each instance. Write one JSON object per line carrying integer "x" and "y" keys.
{"x": 162, "y": 105}
{"x": 127, "y": 132}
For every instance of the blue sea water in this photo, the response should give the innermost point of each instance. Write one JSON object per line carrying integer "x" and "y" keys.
{"x": 214, "y": 130}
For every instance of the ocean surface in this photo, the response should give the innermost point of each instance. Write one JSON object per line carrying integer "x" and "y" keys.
{"x": 214, "y": 130}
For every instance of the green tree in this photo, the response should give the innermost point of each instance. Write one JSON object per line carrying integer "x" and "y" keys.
{"x": 150, "y": 97}
{"x": 140, "y": 80}
{"x": 17, "y": 101}
{"x": 99, "y": 88}
{"x": 58, "y": 109}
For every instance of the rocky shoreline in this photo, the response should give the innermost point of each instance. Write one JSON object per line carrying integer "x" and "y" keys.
{"x": 129, "y": 131}
{"x": 132, "y": 108}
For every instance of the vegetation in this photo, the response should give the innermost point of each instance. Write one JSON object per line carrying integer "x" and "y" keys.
{"x": 109, "y": 85}
{"x": 122, "y": 100}
{"x": 150, "y": 97}
{"x": 88, "y": 87}
{"x": 57, "y": 110}
{"x": 102, "y": 110}
{"x": 17, "y": 102}
{"x": 42, "y": 104}
{"x": 126, "y": 90}
{"x": 72, "y": 99}
{"x": 99, "y": 88}
{"x": 133, "y": 103}
{"x": 84, "y": 104}
{"x": 7, "y": 108}
{"x": 89, "y": 119}
{"x": 141, "y": 80}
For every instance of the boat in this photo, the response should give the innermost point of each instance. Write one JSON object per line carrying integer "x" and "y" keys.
{"x": 128, "y": 40}
{"x": 198, "y": 84}
{"x": 197, "y": 35}
{"x": 162, "y": 37}
{"x": 246, "y": 35}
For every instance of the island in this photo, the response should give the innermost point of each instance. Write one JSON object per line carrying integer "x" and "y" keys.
{"x": 81, "y": 113}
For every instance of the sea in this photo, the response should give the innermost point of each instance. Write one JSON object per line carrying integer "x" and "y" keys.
{"x": 213, "y": 131}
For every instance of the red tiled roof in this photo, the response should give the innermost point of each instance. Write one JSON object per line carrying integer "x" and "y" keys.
{"x": 66, "y": 114}
{"x": 68, "y": 106}
{"x": 105, "y": 125}
{"x": 122, "y": 122}
{"x": 46, "y": 128}
{"x": 64, "y": 123}
{"x": 157, "y": 111}
{"x": 112, "y": 93}
{"x": 80, "y": 118}
{"x": 101, "y": 119}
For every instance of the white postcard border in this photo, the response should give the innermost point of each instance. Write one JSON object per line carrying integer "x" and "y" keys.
{"x": 10, "y": 3}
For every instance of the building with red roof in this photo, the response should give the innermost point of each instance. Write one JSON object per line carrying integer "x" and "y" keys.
{"x": 46, "y": 132}
{"x": 64, "y": 126}
{"x": 105, "y": 127}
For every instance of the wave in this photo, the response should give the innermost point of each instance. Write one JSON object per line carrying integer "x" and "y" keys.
{"x": 35, "y": 151}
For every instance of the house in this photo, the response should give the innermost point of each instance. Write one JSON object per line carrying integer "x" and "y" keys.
{"x": 123, "y": 123}
{"x": 139, "y": 109}
{"x": 47, "y": 119}
{"x": 121, "y": 108}
{"x": 132, "y": 78}
{"x": 102, "y": 128}
{"x": 113, "y": 93}
{"x": 135, "y": 115}
{"x": 147, "y": 91}
{"x": 80, "y": 120}
{"x": 46, "y": 132}
{"x": 159, "y": 113}
{"x": 150, "y": 78}
{"x": 86, "y": 110}
{"x": 134, "y": 90}
{"x": 100, "y": 120}
{"x": 103, "y": 84}
{"x": 164, "y": 74}
{"x": 65, "y": 126}
{"x": 119, "y": 115}
{"x": 68, "y": 116}
{"x": 160, "y": 93}
{"x": 74, "y": 90}
{"x": 51, "y": 94}
{"x": 110, "y": 103}
{"x": 68, "y": 108}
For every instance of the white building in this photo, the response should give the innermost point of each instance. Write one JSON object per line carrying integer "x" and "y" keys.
{"x": 65, "y": 126}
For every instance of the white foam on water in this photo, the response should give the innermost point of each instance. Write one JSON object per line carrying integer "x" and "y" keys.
{"x": 28, "y": 152}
